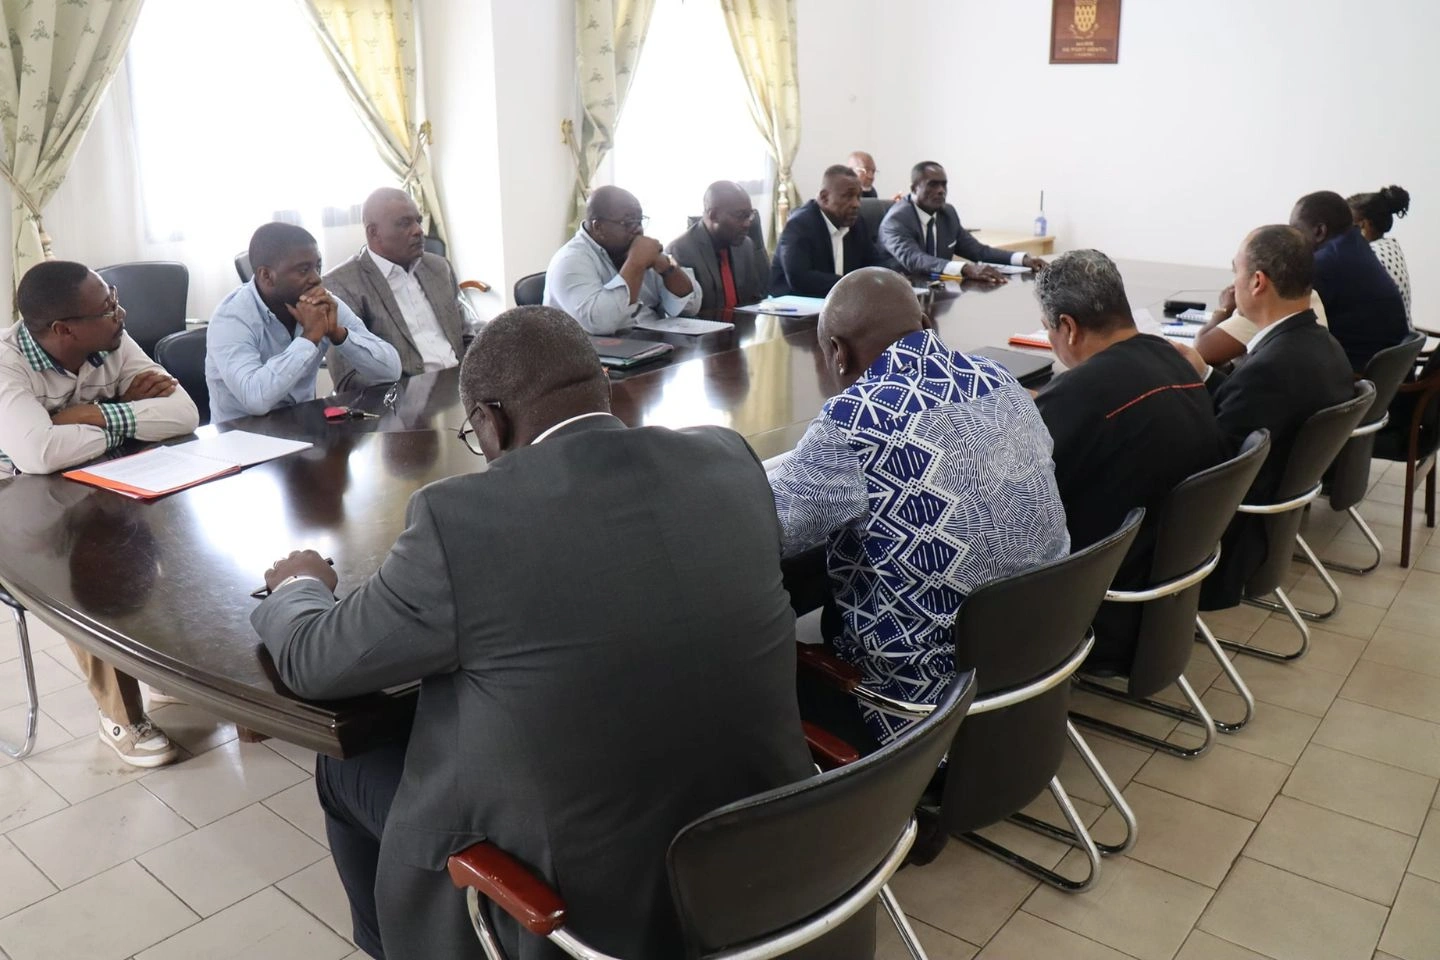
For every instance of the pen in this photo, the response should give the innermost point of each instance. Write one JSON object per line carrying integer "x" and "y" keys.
{"x": 262, "y": 591}
{"x": 782, "y": 309}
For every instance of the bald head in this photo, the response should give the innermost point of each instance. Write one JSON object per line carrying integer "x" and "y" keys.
{"x": 864, "y": 166}
{"x": 728, "y": 212}
{"x": 393, "y": 227}
{"x": 609, "y": 201}
{"x": 865, "y": 313}
{"x": 613, "y": 219}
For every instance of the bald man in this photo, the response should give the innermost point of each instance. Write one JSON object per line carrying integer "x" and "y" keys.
{"x": 405, "y": 296}
{"x": 927, "y": 475}
{"x": 610, "y": 276}
{"x": 718, "y": 249}
{"x": 821, "y": 242}
{"x": 600, "y": 662}
{"x": 864, "y": 166}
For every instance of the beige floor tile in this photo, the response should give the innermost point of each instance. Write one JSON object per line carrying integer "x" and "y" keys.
{"x": 1382, "y": 735}
{"x": 74, "y": 709}
{"x": 192, "y": 728}
{"x": 217, "y": 783}
{"x": 91, "y": 837}
{"x": 1417, "y": 652}
{"x": 1225, "y": 778}
{"x": 1329, "y": 651}
{"x": 1133, "y": 907}
{"x": 1028, "y": 936}
{"x": 1288, "y": 917}
{"x": 1274, "y": 732}
{"x": 317, "y": 888}
{"x": 1395, "y": 689}
{"x": 1296, "y": 686}
{"x": 301, "y": 808}
{"x": 1417, "y": 607}
{"x": 298, "y": 755}
{"x": 1180, "y": 836}
{"x": 1413, "y": 930}
{"x": 109, "y": 917}
{"x": 1428, "y": 559}
{"x": 1355, "y": 588}
{"x": 1353, "y": 620}
{"x": 1032, "y": 845}
{"x": 1145, "y": 721}
{"x": 21, "y": 882}
{"x": 1358, "y": 554}
{"x": 25, "y": 797}
{"x": 1204, "y": 946}
{"x": 1367, "y": 789}
{"x": 50, "y": 676}
{"x": 1426, "y": 859}
{"x": 230, "y": 859}
{"x": 1386, "y": 528}
{"x": 1120, "y": 760}
{"x": 1337, "y": 850}
{"x": 83, "y": 768}
{"x": 48, "y": 733}
{"x": 938, "y": 944}
{"x": 964, "y": 892}
{"x": 267, "y": 926}
{"x": 1236, "y": 623}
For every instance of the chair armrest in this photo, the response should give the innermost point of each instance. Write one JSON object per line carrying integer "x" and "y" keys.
{"x": 479, "y": 285}
{"x": 818, "y": 660}
{"x": 516, "y": 890}
{"x": 828, "y": 750}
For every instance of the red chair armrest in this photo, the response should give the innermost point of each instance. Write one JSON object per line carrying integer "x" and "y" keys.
{"x": 820, "y": 661}
{"x": 480, "y": 285}
{"x": 828, "y": 750}
{"x": 514, "y": 888}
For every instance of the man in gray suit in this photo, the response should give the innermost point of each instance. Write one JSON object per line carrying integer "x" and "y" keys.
{"x": 924, "y": 233}
{"x": 604, "y": 650}
{"x": 405, "y": 296}
{"x": 730, "y": 270}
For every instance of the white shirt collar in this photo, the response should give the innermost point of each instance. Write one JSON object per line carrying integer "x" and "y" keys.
{"x": 1264, "y": 331}
{"x": 566, "y": 423}
{"x": 925, "y": 218}
{"x": 834, "y": 230}
{"x": 387, "y": 267}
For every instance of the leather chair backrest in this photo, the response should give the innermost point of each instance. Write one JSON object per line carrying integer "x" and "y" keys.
{"x": 872, "y": 211}
{"x": 1315, "y": 448}
{"x": 153, "y": 294}
{"x": 1012, "y": 632}
{"x": 183, "y": 356}
{"x": 242, "y": 266}
{"x": 1349, "y": 476}
{"x": 756, "y": 867}
{"x": 1188, "y": 525}
{"x": 530, "y": 290}
{"x": 435, "y": 245}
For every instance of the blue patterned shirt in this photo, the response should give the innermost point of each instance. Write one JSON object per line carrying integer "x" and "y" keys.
{"x": 929, "y": 477}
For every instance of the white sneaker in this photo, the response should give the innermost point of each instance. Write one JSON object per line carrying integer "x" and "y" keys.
{"x": 141, "y": 745}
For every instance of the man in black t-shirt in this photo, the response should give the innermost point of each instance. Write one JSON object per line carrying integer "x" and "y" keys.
{"x": 1130, "y": 420}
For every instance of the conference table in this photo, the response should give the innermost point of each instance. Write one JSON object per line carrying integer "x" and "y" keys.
{"x": 162, "y": 589}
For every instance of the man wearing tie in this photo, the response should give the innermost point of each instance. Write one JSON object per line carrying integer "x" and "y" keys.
{"x": 820, "y": 245}
{"x": 729, "y": 268}
{"x": 924, "y": 233}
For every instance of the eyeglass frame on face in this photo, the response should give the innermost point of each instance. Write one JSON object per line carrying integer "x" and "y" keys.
{"x": 468, "y": 430}
{"x": 106, "y": 315}
{"x": 629, "y": 223}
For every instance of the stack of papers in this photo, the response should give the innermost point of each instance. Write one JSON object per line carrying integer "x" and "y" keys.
{"x": 162, "y": 470}
{"x": 686, "y": 325}
{"x": 789, "y": 306}
{"x": 1037, "y": 339}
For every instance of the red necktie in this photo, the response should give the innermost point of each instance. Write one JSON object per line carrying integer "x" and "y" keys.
{"x": 727, "y": 278}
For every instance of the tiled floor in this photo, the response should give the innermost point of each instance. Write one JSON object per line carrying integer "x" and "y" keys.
{"x": 1313, "y": 834}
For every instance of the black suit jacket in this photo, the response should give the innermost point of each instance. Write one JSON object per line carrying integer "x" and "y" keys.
{"x": 1298, "y": 369}
{"x": 804, "y": 262}
{"x": 600, "y": 662}
{"x": 904, "y": 239}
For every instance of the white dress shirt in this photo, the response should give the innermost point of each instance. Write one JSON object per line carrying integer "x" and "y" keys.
{"x": 837, "y": 243}
{"x": 583, "y": 281}
{"x": 419, "y": 315}
{"x": 1017, "y": 259}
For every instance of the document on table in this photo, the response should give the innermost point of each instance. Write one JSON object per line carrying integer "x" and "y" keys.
{"x": 241, "y": 447}
{"x": 1145, "y": 321}
{"x": 686, "y": 325}
{"x": 161, "y": 470}
{"x": 1039, "y": 339}
{"x": 1006, "y": 267}
{"x": 790, "y": 305}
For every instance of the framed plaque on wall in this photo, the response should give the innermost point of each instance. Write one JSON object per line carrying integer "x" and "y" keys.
{"x": 1085, "y": 31}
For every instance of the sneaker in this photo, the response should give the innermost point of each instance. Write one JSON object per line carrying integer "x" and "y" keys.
{"x": 141, "y": 745}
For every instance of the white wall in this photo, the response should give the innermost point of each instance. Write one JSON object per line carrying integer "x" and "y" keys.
{"x": 1217, "y": 118}
{"x": 836, "y": 83}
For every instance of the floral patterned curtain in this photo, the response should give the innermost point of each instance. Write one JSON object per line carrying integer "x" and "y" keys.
{"x": 60, "y": 56}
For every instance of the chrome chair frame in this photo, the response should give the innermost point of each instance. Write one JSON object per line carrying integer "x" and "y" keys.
{"x": 27, "y": 667}
{"x": 1354, "y": 513}
{"x": 1297, "y": 616}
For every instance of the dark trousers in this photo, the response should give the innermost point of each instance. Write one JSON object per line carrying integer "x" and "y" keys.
{"x": 356, "y": 795}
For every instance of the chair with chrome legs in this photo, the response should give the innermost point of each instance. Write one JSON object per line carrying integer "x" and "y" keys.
{"x": 1412, "y": 437}
{"x": 793, "y": 872}
{"x": 1314, "y": 449}
{"x": 27, "y": 667}
{"x": 1024, "y": 636}
{"x": 1188, "y": 526}
{"x": 1349, "y": 478}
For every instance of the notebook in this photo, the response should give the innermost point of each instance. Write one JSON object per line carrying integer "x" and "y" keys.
{"x": 686, "y": 325}
{"x": 623, "y": 352}
{"x": 1031, "y": 369}
{"x": 790, "y": 305}
{"x": 163, "y": 470}
{"x": 1037, "y": 339}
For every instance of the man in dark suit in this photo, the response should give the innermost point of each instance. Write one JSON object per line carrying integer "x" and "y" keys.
{"x": 405, "y": 296}
{"x": 820, "y": 244}
{"x": 924, "y": 234}
{"x": 1293, "y": 369}
{"x": 729, "y": 268}
{"x": 604, "y": 650}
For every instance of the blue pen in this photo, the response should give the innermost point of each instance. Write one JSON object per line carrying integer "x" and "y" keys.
{"x": 782, "y": 309}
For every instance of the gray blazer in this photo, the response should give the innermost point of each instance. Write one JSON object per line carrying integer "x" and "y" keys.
{"x": 751, "y": 267}
{"x": 904, "y": 239}
{"x": 605, "y": 652}
{"x": 365, "y": 290}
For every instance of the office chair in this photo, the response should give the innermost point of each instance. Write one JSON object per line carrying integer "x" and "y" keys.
{"x": 530, "y": 290}
{"x": 183, "y": 357}
{"x": 153, "y": 294}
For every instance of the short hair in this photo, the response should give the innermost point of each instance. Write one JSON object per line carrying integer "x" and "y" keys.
{"x": 1325, "y": 208}
{"x": 1284, "y": 255}
{"x": 918, "y": 171}
{"x": 50, "y": 291}
{"x": 1086, "y": 285}
{"x": 528, "y": 353}
{"x": 270, "y": 243}
{"x": 1382, "y": 207}
{"x": 834, "y": 171}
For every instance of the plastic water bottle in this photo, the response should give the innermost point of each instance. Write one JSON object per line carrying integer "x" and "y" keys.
{"x": 1040, "y": 222}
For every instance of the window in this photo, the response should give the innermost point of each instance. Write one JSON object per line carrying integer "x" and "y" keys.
{"x": 683, "y": 128}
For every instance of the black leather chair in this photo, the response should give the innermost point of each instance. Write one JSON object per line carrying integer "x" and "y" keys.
{"x": 242, "y": 266}
{"x": 1349, "y": 477}
{"x": 772, "y": 875}
{"x": 530, "y": 290}
{"x": 183, "y": 357}
{"x": 27, "y": 667}
{"x": 154, "y": 295}
{"x": 435, "y": 245}
{"x": 872, "y": 211}
{"x": 1188, "y": 527}
{"x": 1315, "y": 448}
{"x": 1412, "y": 437}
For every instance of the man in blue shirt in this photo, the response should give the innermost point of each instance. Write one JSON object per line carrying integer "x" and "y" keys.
{"x": 928, "y": 476}
{"x": 267, "y": 338}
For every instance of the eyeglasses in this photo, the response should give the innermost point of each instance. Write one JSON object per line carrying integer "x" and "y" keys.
{"x": 743, "y": 216}
{"x": 108, "y": 314}
{"x": 629, "y": 223}
{"x": 466, "y": 434}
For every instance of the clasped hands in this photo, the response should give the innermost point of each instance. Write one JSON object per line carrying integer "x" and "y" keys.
{"x": 985, "y": 273}
{"x": 301, "y": 563}
{"x": 318, "y": 316}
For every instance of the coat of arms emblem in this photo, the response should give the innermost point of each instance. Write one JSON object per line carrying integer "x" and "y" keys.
{"x": 1085, "y": 15}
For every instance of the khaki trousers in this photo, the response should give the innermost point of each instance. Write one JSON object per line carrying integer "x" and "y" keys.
{"x": 117, "y": 694}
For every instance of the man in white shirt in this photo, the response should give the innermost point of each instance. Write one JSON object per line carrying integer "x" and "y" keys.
{"x": 403, "y": 295}
{"x": 72, "y": 386}
{"x": 610, "y": 276}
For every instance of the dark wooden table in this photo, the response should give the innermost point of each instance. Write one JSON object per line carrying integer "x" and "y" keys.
{"x": 162, "y": 589}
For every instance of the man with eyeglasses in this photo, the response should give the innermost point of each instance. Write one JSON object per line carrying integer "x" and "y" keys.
{"x": 611, "y": 276}
{"x": 730, "y": 268}
{"x": 73, "y": 385}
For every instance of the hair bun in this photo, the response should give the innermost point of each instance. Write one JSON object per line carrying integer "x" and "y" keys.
{"x": 1396, "y": 199}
